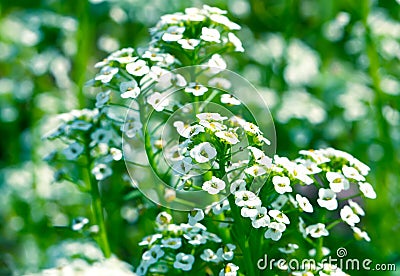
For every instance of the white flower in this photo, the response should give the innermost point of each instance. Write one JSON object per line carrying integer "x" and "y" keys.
{"x": 316, "y": 155}
{"x": 297, "y": 171}
{"x": 364, "y": 169}
{"x": 188, "y": 44}
{"x": 367, "y": 190}
{"x": 196, "y": 89}
{"x": 251, "y": 128}
{"x": 137, "y": 68}
{"x": 173, "y": 243}
{"x": 219, "y": 207}
{"x": 302, "y": 227}
{"x": 327, "y": 199}
{"x": 236, "y": 42}
{"x": 249, "y": 211}
{"x": 211, "y": 117}
{"x": 304, "y": 204}
{"x": 184, "y": 261}
{"x": 73, "y": 151}
{"x": 275, "y": 230}
{"x": 163, "y": 218}
{"x": 290, "y": 248}
{"x": 183, "y": 166}
{"x": 246, "y": 198}
{"x": 106, "y": 74}
{"x": 356, "y": 208}
{"x": 131, "y": 127}
{"x": 101, "y": 171}
{"x": 255, "y": 170}
{"x": 195, "y": 238}
{"x": 153, "y": 56}
{"x": 279, "y": 202}
{"x": 238, "y": 185}
{"x": 279, "y": 216}
{"x": 203, "y": 152}
{"x": 359, "y": 234}
{"x": 149, "y": 240}
{"x": 186, "y": 130}
{"x": 221, "y": 19}
{"x": 337, "y": 182}
{"x": 195, "y": 216}
{"x": 153, "y": 255}
{"x": 173, "y": 33}
{"x": 213, "y": 186}
{"x": 325, "y": 251}
{"x": 209, "y": 256}
{"x": 282, "y": 184}
{"x": 210, "y": 35}
{"x": 347, "y": 215}
{"x": 311, "y": 166}
{"x": 229, "y": 99}
{"x": 220, "y": 83}
{"x": 352, "y": 173}
{"x": 158, "y": 101}
{"x": 317, "y": 230}
{"x": 213, "y": 10}
{"x": 216, "y": 64}
{"x": 228, "y": 137}
{"x": 226, "y": 252}
{"x": 229, "y": 270}
{"x": 102, "y": 98}
{"x": 100, "y": 136}
{"x": 213, "y": 126}
{"x": 261, "y": 219}
{"x": 129, "y": 89}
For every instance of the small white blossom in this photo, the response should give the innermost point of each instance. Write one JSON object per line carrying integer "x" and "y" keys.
{"x": 229, "y": 100}
{"x": 282, "y": 184}
{"x": 188, "y": 44}
{"x": 238, "y": 185}
{"x": 211, "y": 117}
{"x": 304, "y": 204}
{"x": 102, "y": 98}
{"x": 173, "y": 33}
{"x": 221, "y": 19}
{"x": 73, "y": 151}
{"x": 352, "y": 173}
{"x": 186, "y": 130}
{"x": 209, "y": 256}
{"x": 195, "y": 216}
{"x": 173, "y": 243}
{"x": 101, "y": 171}
{"x": 246, "y": 198}
{"x": 367, "y": 190}
{"x": 106, "y": 74}
{"x": 129, "y": 89}
{"x": 249, "y": 211}
{"x": 290, "y": 248}
{"x": 359, "y": 234}
{"x": 216, "y": 64}
{"x": 203, "y": 152}
{"x": 261, "y": 219}
{"x": 279, "y": 202}
{"x": 213, "y": 126}
{"x": 213, "y": 186}
{"x": 137, "y": 68}
{"x": 327, "y": 199}
{"x": 183, "y": 166}
{"x": 348, "y": 216}
{"x": 337, "y": 182}
{"x": 255, "y": 170}
{"x": 210, "y": 35}
{"x": 226, "y": 252}
{"x": 275, "y": 230}
{"x": 317, "y": 230}
{"x": 149, "y": 240}
{"x": 279, "y": 216}
{"x": 236, "y": 42}
{"x": 163, "y": 218}
{"x": 220, "y": 83}
{"x": 356, "y": 208}
{"x": 228, "y": 137}
{"x": 219, "y": 207}
{"x": 184, "y": 261}
{"x": 153, "y": 255}
{"x": 196, "y": 89}
{"x": 229, "y": 270}
{"x": 158, "y": 101}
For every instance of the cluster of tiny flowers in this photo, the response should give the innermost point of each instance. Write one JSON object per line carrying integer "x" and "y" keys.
{"x": 177, "y": 247}
{"x": 196, "y": 29}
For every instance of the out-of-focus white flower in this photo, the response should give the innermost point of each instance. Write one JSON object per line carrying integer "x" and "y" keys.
{"x": 229, "y": 100}
{"x": 131, "y": 128}
{"x": 279, "y": 216}
{"x": 220, "y": 83}
{"x": 163, "y": 218}
{"x": 359, "y": 234}
{"x": 209, "y": 256}
{"x": 188, "y": 43}
{"x": 352, "y": 173}
{"x": 137, "y": 68}
{"x": 216, "y": 64}
{"x": 337, "y": 182}
{"x": 236, "y": 42}
{"x": 203, "y": 152}
{"x": 211, "y": 117}
{"x": 304, "y": 204}
{"x": 210, "y": 35}
{"x": 317, "y": 230}
{"x": 325, "y": 251}
{"x": 214, "y": 186}
{"x": 367, "y": 190}
{"x": 279, "y": 202}
{"x": 173, "y": 33}
{"x": 158, "y": 101}
{"x": 102, "y": 98}
{"x": 356, "y": 208}
{"x": 261, "y": 219}
{"x": 316, "y": 155}
{"x": 289, "y": 249}
{"x": 196, "y": 89}
{"x": 183, "y": 166}
{"x": 327, "y": 199}
{"x": 348, "y": 216}
{"x": 73, "y": 151}
{"x": 101, "y": 171}
{"x": 228, "y": 137}
{"x": 129, "y": 89}
{"x": 184, "y": 261}
{"x": 282, "y": 184}
{"x": 275, "y": 230}
{"x": 238, "y": 185}
{"x": 195, "y": 216}
{"x": 229, "y": 270}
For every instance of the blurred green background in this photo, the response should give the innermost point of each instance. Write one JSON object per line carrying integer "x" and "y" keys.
{"x": 329, "y": 71}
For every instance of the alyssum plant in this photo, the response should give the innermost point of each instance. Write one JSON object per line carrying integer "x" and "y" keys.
{"x": 259, "y": 205}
